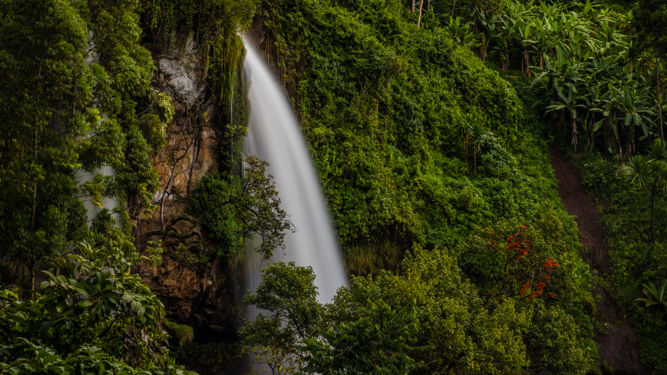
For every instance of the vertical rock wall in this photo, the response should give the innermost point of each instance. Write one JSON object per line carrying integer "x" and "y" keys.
{"x": 194, "y": 291}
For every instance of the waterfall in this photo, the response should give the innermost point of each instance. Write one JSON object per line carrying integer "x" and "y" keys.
{"x": 110, "y": 203}
{"x": 81, "y": 176}
{"x": 274, "y": 136}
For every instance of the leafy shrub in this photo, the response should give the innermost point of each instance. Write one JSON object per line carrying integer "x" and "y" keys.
{"x": 93, "y": 314}
{"x": 233, "y": 209}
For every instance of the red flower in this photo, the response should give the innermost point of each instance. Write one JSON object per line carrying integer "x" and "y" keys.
{"x": 524, "y": 288}
{"x": 534, "y": 294}
{"x": 550, "y": 263}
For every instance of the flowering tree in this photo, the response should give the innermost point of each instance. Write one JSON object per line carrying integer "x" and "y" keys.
{"x": 523, "y": 270}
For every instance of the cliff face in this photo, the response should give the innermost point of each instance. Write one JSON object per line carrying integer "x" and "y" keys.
{"x": 194, "y": 291}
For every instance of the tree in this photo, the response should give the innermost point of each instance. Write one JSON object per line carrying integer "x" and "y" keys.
{"x": 90, "y": 314}
{"x": 67, "y": 106}
{"x": 290, "y": 314}
{"x": 135, "y": 115}
{"x": 649, "y": 173}
{"x": 44, "y": 103}
{"x": 461, "y": 332}
{"x": 429, "y": 320}
{"x": 554, "y": 342}
{"x": 380, "y": 340}
{"x": 233, "y": 209}
{"x": 654, "y": 296}
{"x": 300, "y": 336}
{"x": 650, "y": 32}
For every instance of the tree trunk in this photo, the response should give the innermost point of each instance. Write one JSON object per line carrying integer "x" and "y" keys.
{"x": 35, "y": 144}
{"x": 652, "y": 198}
{"x": 419, "y": 18}
{"x": 561, "y": 123}
{"x": 34, "y": 184}
{"x": 474, "y": 162}
{"x": 453, "y": 7}
{"x": 485, "y": 47}
{"x": 574, "y": 134}
{"x": 231, "y": 139}
{"x": 657, "y": 78}
{"x": 33, "y": 271}
{"x": 591, "y": 139}
{"x": 413, "y": 6}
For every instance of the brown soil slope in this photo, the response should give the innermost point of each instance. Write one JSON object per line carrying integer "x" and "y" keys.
{"x": 618, "y": 343}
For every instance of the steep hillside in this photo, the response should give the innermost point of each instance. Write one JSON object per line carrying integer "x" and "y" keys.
{"x": 126, "y": 204}
{"x": 418, "y": 143}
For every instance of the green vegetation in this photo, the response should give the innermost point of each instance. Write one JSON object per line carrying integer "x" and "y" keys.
{"x": 91, "y": 315}
{"x": 595, "y": 84}
{"x": 429, "y": 126}
{"x": 214, "y": 24}
{"x": 428, "y": 320}
{"x": 241, "y": 209}
{"x": 77, "y": 97}
{"x": 654, "y": 296}
{"x": 637, "y": 258}
{"x": 417, "y": 141}
{"x": 399, "y": 133}
{"x": 649, "y": 173}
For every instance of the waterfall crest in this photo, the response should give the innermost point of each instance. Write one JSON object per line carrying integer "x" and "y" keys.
{"x": 274, "y": 136}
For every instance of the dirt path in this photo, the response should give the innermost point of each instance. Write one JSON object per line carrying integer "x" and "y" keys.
{"x": 618, "y": 343}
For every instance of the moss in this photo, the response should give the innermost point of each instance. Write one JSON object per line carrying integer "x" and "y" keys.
{"x": 183, "y": 333}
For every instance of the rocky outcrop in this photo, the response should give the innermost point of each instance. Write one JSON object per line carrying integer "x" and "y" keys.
{"x": 194, "y": 291}
{"x": 181, "y": 74}
{"x": 200, "y": 297}
{"x": 190, "y": 151}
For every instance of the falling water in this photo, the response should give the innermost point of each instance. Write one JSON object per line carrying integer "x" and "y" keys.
{"x": 110, "y": 203}
{"x": 274, "y": 135}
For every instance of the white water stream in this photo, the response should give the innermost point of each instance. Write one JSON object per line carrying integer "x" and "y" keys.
{"x": 274, "y": 136}
{"x": 110, "y": 203}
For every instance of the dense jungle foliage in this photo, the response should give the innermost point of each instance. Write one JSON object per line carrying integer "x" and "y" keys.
{"x": 637, "y": 262}
{"x": 429, "y": 124}
{"x": 418, "y": 141}
{"x": 68, "y": 108}
{"x": 77, "y": 99}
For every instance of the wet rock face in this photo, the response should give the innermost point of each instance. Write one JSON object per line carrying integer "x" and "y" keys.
{"x": 199, "y": 297}
{"x": 181, "y": 74}
{"x": 190, "y": 152}
{"x": 193, "y": 292}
